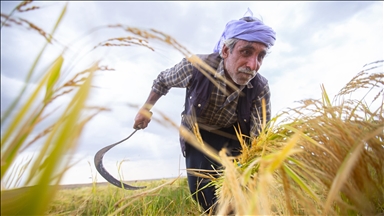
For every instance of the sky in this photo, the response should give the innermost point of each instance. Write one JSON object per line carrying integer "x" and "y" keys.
{"x": 317, "y": 43}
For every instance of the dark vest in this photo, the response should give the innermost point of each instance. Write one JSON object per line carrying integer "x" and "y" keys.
{"x": 198, "y": 93}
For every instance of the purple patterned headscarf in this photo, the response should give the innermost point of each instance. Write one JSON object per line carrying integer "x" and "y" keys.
{"x": 254, "y": 31}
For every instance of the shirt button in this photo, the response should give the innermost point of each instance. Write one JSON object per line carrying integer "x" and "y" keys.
{"x": 199, "y": 105}
{"x": 245, "y": 120}
{"x": 190, "y": 97}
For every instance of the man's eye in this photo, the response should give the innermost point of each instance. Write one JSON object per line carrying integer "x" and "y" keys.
{"x": 246, "y": 52}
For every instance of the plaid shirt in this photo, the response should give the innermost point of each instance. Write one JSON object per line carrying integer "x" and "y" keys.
{"x": 222, "y": 110}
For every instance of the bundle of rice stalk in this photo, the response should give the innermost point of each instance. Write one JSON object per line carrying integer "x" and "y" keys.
{"x": 322, "y": 158}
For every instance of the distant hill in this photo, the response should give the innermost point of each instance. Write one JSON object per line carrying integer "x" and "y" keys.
{"x": 71, "y": 186}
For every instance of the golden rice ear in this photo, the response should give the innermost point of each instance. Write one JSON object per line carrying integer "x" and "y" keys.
{"x": 20, "y": 7}
{"x": 323, "y": 158}
{"x": 124, "y": 41}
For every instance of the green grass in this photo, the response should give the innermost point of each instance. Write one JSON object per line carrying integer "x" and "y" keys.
{"x": 169, "y": 199}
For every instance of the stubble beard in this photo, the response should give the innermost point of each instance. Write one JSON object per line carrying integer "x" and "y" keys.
{"x": 245, "y": 70}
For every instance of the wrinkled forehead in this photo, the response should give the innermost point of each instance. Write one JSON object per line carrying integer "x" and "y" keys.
{"x": 256, "y": 45}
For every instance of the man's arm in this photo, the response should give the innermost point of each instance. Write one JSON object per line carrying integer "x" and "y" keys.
{"x": 143, "y": 117}
{"x": 177, "y": 76}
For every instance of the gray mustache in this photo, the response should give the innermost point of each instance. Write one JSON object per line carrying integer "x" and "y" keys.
{"x": 247, "y": 71}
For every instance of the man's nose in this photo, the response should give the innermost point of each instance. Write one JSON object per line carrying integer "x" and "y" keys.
{"x": 252, "y": 63}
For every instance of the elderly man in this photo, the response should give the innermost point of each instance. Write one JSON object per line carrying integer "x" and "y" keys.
{"x": 237, "y": 58}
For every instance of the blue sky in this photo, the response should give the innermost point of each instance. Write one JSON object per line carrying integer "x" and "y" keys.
{"x": 317, "y": 43}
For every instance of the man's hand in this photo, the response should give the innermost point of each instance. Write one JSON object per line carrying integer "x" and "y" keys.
{"x": 144, "y": 115}
{"x": 142, "y": 119}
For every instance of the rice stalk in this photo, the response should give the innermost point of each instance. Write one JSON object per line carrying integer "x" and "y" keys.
{"x": 32, "y": 69}
{"x": 18, "y": 8}
{"x": 323, "y": 158}
{"x": 46, "y": 169}
{"x": 9, "y": 145}
{"x": 157, "y": 35}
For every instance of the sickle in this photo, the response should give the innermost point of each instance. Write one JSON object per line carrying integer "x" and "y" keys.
{"x": 103, "y": 172}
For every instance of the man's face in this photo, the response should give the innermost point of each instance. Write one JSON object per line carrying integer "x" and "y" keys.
{"x": 245, "y": 60}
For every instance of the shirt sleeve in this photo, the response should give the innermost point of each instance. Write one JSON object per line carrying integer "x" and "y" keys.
{"x": 177, "y": 76}
{"x": 257, "y": 111}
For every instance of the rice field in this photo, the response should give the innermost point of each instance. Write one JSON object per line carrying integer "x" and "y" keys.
{"x": 324, "y": 157}
{"x": 163, "y": 197}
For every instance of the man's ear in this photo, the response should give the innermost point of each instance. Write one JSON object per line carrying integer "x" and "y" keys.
{"x": 225, "y": 51}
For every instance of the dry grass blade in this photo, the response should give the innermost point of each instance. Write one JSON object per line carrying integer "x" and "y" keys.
{"x": 237, "y": 199}
{"x": 136, "y": 196}
{"x": 287, "y": 191}
{"x": 208, "y": 71}
{"x": 347, "y": 166}
{"x": 198, "y": 144}
{"x": 325, "y": 97}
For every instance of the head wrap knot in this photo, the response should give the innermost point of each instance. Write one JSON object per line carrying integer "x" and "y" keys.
{"x": 249, "y": 29}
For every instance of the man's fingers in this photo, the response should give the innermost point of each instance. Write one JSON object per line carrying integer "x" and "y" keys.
{"x": 142, "y": 119}
{"x": 142, "y": 125}
{"x": 138, "y": 127}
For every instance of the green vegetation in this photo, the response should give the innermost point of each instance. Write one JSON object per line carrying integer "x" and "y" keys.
{"x": 25, "y": 179}
{"x": 166, "y": 197}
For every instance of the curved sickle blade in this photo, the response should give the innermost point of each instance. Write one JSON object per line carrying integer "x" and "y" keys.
{"x": 103, "y": 172}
